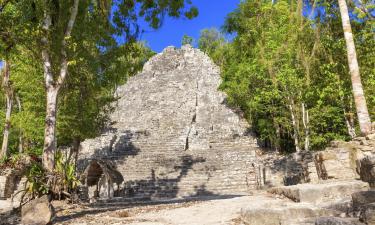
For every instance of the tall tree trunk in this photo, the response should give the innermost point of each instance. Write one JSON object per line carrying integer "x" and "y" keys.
{"x": 9, "y": 100}
{"x": 294, "y": 123}
{"x": 20, "y": 138}
{"x": 50, "y": 129}
{"x": 349, "y": 120}
{"x": 306, "y": 120}
{"x": 52, "y": 86}
{"x": 359, "y": 97}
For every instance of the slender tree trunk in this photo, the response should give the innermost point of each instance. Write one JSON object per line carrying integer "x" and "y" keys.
{"x": 20, "y": 138}
{"x": 294, "y": 123}
{"x": 278, "y": 137}
{"x": 50, "y": 129}
{"x": 52, "y": 86}
{"x": 359, "y": 97}
{"x": 350, "y": 127}
{"x": 9, "y": 100}
{"x": 306, "y": 120}
{"x": 349, "y": 121}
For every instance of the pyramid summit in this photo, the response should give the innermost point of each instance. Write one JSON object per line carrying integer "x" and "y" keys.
{"x": 172, "y": 135}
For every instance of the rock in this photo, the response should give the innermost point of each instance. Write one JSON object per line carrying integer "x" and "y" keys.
{"x": 337, "y": 162}
{"x": 371, "y": 136}
{"x": 367, "y": 169}
{"x": 337, "y": 221}
{"x": 261, "y": 217}
{"x": 37, "y": 212}
{"x": 283, "y": 214}
{"x": 367, "y": 214}
{"x": 319, "y": 193}
{"x": 17, "y": 194}
{"x": 8, "y": 184}
{"x": 362, "y": 198}
{"x": 5, "y": 189}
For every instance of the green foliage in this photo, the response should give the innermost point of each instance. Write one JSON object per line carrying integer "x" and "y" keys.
{"x": 64, "y": 179}
{"x": 61, "y": 182}
{"x": 187, "y": 40}
{"x": 213, "y": 43}
{"x": 97, "y": 65}
{"x": 36, "y": 180}
{"x": 127, "y": 14}
{"x": 280, "y": 61}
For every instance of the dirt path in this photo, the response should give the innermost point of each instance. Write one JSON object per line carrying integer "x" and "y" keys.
{"x": 207, "y": 212}
{"x": 214, "y": 212}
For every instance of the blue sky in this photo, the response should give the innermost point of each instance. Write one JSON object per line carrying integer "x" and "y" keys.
{"x": 212, "y": 13}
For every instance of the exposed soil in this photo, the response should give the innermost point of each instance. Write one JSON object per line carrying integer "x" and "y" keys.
{"x": 199, "y": 212}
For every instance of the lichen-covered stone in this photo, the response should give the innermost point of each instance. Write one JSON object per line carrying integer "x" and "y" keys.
{"x": 172, "y": 133}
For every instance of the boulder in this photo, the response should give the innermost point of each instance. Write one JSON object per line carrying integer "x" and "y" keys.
{"x": 337, "y": 221}
{"x": 368, "y": 214}
{"x": 37, "y": 212}
{"x": 362, "y": 198}
{"x": 367, "y": 169}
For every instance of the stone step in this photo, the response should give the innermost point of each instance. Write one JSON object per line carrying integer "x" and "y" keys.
{"x": 337, "y": 221}
{"x": 319, "y": 193}
{"x": 285, "y": 214}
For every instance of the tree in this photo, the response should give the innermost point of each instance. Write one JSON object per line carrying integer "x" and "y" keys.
{"x": 213, "y": 43}
{"x": 11, "y": 35}
{"x": 53, "y": 82}
{"x": 9, "y": 100}
{"x": 187, "y": 40}
{"x": 210, "y": 39}
{"x": 57, "y": 30}
{"x": 358, "y": 93}
{"x": 289, "y": 74}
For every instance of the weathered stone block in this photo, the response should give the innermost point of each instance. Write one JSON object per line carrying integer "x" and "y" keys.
{"x": 7, "y": 185}
{"x": 368, "y": 214}
{"x": 337, "y": 221}
{"x": 318, "y": 193}
{"x": 362, "y": 198}
{"x": 367, "y": 169}
{"x": 281, "y": 215}
{"x": 37, "y": 212}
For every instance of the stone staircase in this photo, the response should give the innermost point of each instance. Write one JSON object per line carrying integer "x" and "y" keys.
{"x": 169, "y": 171}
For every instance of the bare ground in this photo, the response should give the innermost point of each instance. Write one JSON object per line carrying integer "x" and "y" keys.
{"x": 218, "y": 211}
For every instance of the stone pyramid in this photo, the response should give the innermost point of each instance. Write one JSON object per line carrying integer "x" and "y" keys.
{"x": 172, "y": 134}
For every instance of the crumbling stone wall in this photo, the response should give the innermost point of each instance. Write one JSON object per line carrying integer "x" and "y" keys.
{"x": 340, "y": 161}
{"x": 10, "y": 182}
{"x": 7, "y": 184}
{"x": 172, "y": 133}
